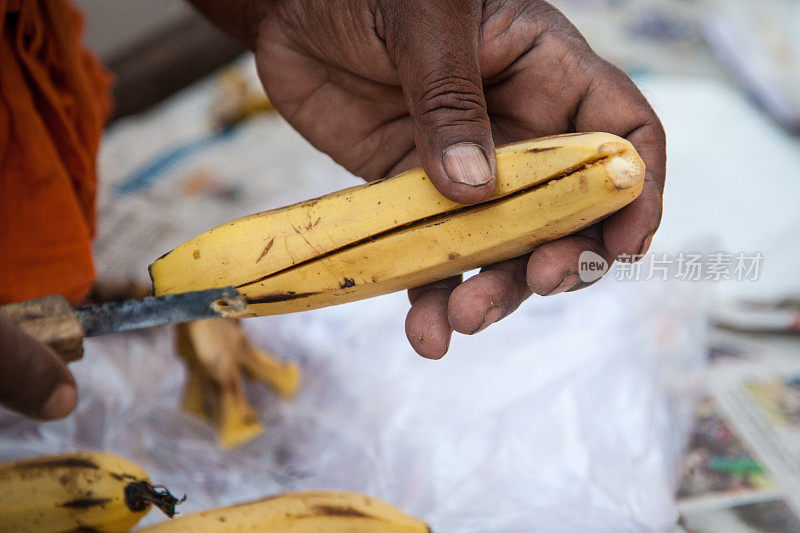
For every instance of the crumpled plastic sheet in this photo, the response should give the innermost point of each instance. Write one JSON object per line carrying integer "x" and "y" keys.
{"x": 567, "y": 416}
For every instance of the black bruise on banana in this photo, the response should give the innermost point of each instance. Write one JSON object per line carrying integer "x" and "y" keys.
{"x": 346, "y": 283}
{"x": 278, "y": 297}
{"x": 58, "y": 463}
{"x": 123, "y": 477}
{"x": 332, "y": 510}
{"x": 266, "y": 249}
{"x": 539, "y": 150}
{"x": 86, "y": 503}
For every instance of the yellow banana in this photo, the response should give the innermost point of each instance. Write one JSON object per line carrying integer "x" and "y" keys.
{"x": 302, "y": 512}
{"x": 400, "y": 232}
{"x": 76, "y": 492}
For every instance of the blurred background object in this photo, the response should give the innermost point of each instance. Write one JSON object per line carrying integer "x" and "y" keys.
{"x": 646, "y": 36}
{"x": 759, "y": 44}
{"x": 156, "y": 47}
{"x": 754, "y": 45}
{"x": 153, "y": 47}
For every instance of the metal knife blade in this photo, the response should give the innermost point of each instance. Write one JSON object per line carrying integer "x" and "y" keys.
{"x": 140, "y": 313}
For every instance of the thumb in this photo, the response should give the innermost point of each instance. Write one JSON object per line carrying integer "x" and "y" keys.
{"x": 435, "y": 48}
{"x": 33, "y": 380}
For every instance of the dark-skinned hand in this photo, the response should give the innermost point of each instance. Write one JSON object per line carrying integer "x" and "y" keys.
{"x": 385, "y": 85}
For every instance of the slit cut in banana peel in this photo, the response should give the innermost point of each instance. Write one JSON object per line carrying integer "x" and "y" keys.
{"x": 400, "y": 232}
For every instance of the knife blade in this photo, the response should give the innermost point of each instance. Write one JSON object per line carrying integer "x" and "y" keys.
{"x": 113, "y": 317}
{"x": 52, "y": 321}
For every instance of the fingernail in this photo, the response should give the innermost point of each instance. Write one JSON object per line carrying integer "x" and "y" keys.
{"x": 466, "y": 163}
{"x": 61, "y": 402}
{"x": 646, "y": 244}
{"x": 492, "y": 315}
{"x": 570, "y": 281}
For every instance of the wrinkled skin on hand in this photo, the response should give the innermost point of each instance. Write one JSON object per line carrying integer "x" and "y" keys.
{"x": 385, "y": 85}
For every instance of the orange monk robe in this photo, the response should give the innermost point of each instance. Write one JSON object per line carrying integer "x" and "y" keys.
{"x": 54, "y": 101}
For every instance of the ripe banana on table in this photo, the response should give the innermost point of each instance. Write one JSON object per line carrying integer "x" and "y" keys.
{"x": 400, "y": 232}
{"x": 301, "y": 512}
{"x": 77, "y": 492}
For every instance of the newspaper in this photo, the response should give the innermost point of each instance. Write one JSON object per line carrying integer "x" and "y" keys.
{"x": 741, "y": 471}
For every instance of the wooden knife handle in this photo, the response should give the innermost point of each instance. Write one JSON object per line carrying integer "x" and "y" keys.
{"x": 51, "y": 321}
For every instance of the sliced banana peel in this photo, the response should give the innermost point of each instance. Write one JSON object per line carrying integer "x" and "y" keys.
{"x": 218, "y": 354}
{"x": 400, "y": 232}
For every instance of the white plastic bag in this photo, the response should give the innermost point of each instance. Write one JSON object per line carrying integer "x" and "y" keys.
{"x": 567, "y": 416}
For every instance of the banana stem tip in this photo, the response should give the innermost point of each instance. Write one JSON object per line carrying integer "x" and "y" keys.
{"x": 140, "y": 494}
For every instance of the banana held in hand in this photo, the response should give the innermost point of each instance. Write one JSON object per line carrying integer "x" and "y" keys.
{"x": 77, "y": 492}
{"x": 400, "y": 232}
{"x": 301, "y": 512}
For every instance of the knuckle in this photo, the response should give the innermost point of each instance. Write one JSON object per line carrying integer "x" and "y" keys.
{"x": 544, "y": 18}
{"x": 450, "y": 97}
{"x": 566, "y": 44}
{"x": 538, "y": 11}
